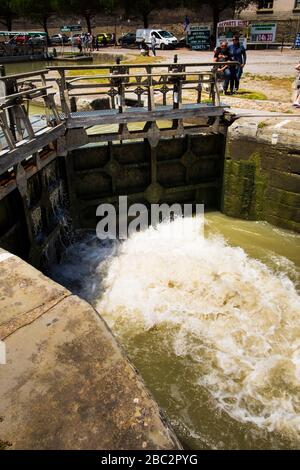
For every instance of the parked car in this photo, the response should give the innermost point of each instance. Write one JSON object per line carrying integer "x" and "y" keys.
{"x": 37, "y": 40}
{"x": 104, "y": 39}
{"x": 18, "y": 39}
{"x": 164, "y": 39}
{"x": 73, "y": 40}
{"x": 58, "y": 39}
{"x": 127, "y": 39}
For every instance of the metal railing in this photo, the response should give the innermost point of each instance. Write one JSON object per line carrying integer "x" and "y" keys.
{"x": 21, "y": 135}
{"x": 141, "y": 84}
{"x": 129, "y": 93}
{"x": 22, "y": 50}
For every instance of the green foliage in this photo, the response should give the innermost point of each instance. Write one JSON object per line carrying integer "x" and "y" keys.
{"x": 144, "y": 7}
{"x": 86, "y": 9}
{"x": 39, "y": 11}
{"x": 250, "y": 95}
{"x": 7, "y": 13}
{"x": 261, "y": 125}
{"x": 218, "y": 6}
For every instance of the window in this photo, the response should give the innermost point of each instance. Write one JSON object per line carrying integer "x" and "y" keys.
{"x": 297, "y": 4}
{"x": 267, "y": 4}
{"x": 165, "y": 34}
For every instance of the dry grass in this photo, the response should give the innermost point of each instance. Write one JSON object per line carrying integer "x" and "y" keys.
{"x": 284, "y": 83}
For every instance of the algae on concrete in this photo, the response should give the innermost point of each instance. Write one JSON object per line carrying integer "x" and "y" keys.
{"x": 261, "y": 178}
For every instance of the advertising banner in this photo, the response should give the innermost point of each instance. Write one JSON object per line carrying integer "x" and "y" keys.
{"x": 263, "y": 32}
{"x": 199, "y": 38}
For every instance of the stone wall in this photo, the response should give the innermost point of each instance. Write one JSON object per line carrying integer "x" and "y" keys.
{"x": 262, "y": 171}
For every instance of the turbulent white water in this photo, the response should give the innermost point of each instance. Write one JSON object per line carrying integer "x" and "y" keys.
{"x": 236, "y": 319}
{"x": 214, "y": 332}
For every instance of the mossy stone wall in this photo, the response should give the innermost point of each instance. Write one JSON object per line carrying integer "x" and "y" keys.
{"x": 262, "y": 172}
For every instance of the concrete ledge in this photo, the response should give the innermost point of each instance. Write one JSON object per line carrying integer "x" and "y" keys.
{"x": 262, "y": 171}
{"x": 66, "y": 383}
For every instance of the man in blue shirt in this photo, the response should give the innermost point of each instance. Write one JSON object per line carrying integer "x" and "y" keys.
{"x": 238, "y": 54}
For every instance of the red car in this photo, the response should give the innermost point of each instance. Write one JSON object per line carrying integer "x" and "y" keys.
{"x": 20, "y": 39}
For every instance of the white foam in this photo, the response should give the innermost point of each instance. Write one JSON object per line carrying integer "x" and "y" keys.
{"x": 230, "y": 313}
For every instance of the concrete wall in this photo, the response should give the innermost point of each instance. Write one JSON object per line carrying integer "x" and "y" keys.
{"x": 282, "y": 9}
{"x": 66, "y": 383}
{"x": 262, "y": 171}
{"x": 283, "y": 13}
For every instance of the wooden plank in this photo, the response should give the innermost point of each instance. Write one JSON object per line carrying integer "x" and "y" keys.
{"x": 28, "y": 93}
{"x": 146, "y": 75}
{"x": 28, "y": 147}
{"x": 168, "y": 132}
{"x": 143, "y": 115}
{"x": 130, "y": 84}
{"x": 16, "y": 76}
{"x": 136, "y": 66}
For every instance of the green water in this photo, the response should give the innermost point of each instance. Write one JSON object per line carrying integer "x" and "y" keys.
{"x": 22, "y": 67}
{"x": 212, "y": 324}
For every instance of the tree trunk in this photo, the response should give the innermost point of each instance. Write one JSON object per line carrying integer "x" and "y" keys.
{"x": 145, "y": 19}
{"x": 88, "y": 23}
{"x": 45, "y": 24}
{"x": 216, "y": 19}
{"x": 8, "y": 22}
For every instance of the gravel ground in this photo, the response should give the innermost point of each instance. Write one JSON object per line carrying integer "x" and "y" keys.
{"x": 266, "y": 62}
{"x": 273, "y": 63}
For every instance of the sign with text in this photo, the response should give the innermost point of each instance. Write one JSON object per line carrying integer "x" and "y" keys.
{"x": 263, "y": 32}
{"x": 199, "y": 38}
{"x": 233, "y": 24}
{"x": 70, "y": 28}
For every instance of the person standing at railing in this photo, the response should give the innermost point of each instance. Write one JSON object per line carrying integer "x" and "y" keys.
{"x": 238, "y": 54}
{"x": 227, "y": 73}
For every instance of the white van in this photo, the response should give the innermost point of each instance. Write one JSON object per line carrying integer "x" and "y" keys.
{"x": 164, "y": 39}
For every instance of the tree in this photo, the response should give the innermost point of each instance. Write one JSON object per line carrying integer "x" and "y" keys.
{"x": 6, "y": 14}
{"x": 218, "y": 6}
{"x": 86, "y": 8}
{"x": 143, "y": 8}
{"x": 39, "y": 11}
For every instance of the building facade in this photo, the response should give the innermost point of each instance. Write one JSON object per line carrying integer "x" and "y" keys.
{"x": 285, "y": 13}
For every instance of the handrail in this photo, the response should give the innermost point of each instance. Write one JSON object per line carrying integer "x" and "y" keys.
{"x": 21, "y": 94}
{"x": 172, "y": 91}
{"x": 16, "y": 76}
{"x": 144, "y": 65}
{"x": 117, "y": 85}
{"x": 146, "y": 75}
